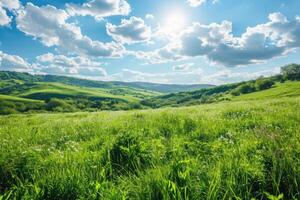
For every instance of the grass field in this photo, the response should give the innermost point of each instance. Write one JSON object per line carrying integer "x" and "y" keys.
{"x": 230, "y": 150}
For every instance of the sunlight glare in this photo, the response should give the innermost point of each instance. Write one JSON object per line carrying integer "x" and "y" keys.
{"x": 174, "y": 22}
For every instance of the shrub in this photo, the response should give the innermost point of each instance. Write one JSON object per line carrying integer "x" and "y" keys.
{"x": 243, "y": 89}
{"x": 291, "y": 72}
{"x": 263, "y": 84}
{"x": 246, "y": 88}
{"x": 7, "y": 107}
{"x": 128, "y": 155}
{"x": 58, "y": 106}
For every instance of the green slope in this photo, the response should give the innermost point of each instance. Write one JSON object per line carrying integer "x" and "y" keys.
{"x": 45, "y": 91}
{"x": 164, "y": 88}
{"x": 138, "y": 86}
{"x": 287, "y": 89}
{"x": 224, "y": 93}
{"x": 18, "y": 99}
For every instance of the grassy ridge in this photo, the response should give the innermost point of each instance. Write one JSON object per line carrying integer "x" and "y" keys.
{"x": 280, "y": 90}
{"x": 18, "y": 99}
{"x": 67, "y": 98}
{"x": 230, "y": 150}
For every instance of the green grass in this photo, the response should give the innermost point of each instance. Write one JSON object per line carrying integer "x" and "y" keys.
{"x": 287, "y": 89}
{"x": 45, "y": 90}
{"x": 229, "y": 150}
{"x": 18, "y": 99}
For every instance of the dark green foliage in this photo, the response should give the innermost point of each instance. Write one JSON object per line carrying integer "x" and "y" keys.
{"x": 128, "y": 155}
{"x": 263, "y": 84}
{"x": 7, "y": 108}
{"x": 58, "y": 106}
{"x": 245, "y": 88}
{"x": 291, "y": 72}
{"x": 15, "y": 106}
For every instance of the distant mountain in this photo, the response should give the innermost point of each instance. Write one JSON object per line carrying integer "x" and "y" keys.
{"x": 164, "y": 88}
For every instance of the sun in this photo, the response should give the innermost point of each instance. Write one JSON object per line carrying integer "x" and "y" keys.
{"x": 174, "y": 22}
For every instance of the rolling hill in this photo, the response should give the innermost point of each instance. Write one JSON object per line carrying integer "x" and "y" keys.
{"x": 160, "y": 88}
{"x": 245, "y": 149}
{"x": 66, "y": 94}
{"x": 164, "y": 88}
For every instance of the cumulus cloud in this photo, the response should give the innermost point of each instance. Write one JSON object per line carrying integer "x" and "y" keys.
{"x": 13, "y": 63}
{"x": 225, "y": 76}
{"x": 196, "y": 3}
{"x": 275, "y": 38}
{"x": 129, "y": 31}
{"x": 4, "y": 18}
{"x": 48, "y": 24}
{"x": 195, "y": 76}
{"x": 63, "y": 65}
{"x": 100, "y": 8}
{"x": 149, "y": 16}
{"x": 183, "y": 77}
{"x": 183, "y": 67}
{"x": 9, "y": 5}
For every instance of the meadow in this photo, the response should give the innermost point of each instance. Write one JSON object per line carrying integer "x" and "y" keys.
{"x": 245, "y": 149}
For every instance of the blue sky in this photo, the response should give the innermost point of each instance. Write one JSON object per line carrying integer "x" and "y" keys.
{"x": 170, "y": 41}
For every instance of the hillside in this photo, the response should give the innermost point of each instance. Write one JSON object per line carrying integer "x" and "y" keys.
{"x": 164, "y": 88}
{"x": 244, "y": 144}
{"x": 65, "y": 94}
{"x": 160, "y": 88}
{"x": 274, "y": 88}
{"x": 280, "y": 90}
{"x": 229, "y": 150}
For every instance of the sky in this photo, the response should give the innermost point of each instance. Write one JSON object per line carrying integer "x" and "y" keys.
{"x": 161, "y": 41}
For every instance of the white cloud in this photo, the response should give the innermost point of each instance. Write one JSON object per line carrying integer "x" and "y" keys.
{"x": 225, "y": 76}
{"x": 48, "y": 24}
{"x": 13, "y": 63}
{"x": 129, "y": 31}
{"x": 196, "y": 3}
{"x": 183, "y": 67}
{"x": 100, "y": 8}
{"x": 275, "y": 38}
{"x": 182, "y": 77}
{"x": 4, "y": 18}
{"x": 149, "y": 16}
{"x": 10, "y": 5}
{"x": 63, "y": 65}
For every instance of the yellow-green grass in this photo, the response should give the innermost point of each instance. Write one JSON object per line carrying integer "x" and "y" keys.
{"x": 54, "y": 89}
{"x": 230, "y": 150}
{"x": 280, "y": 90}
{"x": 18, "y": 99}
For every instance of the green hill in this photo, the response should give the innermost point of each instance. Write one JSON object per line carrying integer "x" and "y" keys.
{"x": 287, "y": 89}
{"x": 159, "y": 88}
{"x": 270, "y": 87}
{"x": 66, "y": 94}
{"x": 69, "y": 94}
{"x": 164, "y": 88}
{"x": 242, "y": 144}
